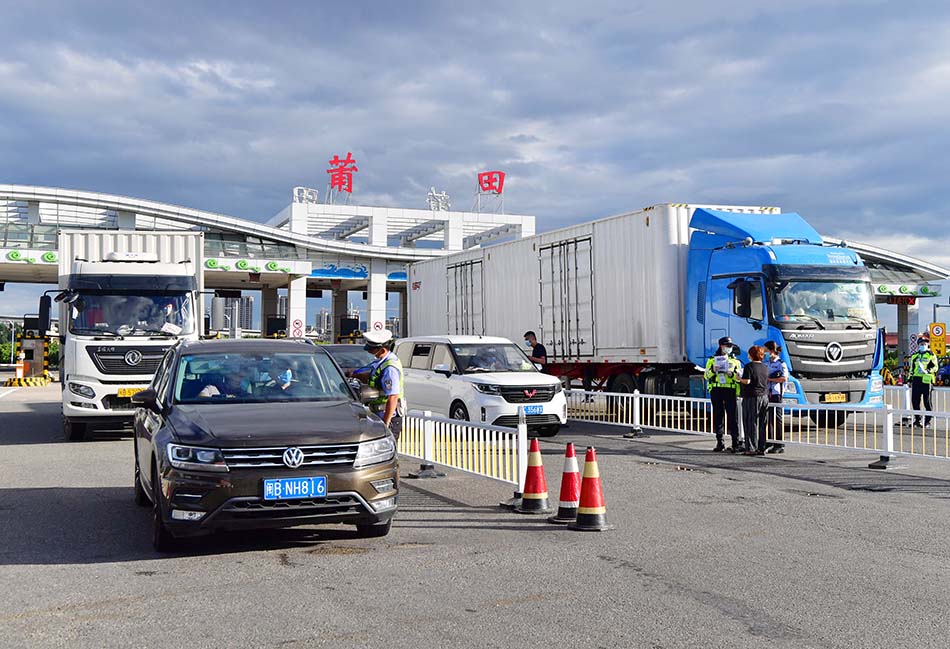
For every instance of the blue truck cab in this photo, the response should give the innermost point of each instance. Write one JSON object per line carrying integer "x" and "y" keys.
{"x": 759, "y": 277}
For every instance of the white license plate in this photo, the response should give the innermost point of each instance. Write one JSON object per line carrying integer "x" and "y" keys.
{"x": 533, "y": 410}
{"x": 295, "y": 488}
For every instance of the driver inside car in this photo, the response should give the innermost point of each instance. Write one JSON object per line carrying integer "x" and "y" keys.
{"x": 234, "y": 385}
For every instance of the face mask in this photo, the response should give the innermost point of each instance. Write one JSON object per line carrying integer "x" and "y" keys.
{"x": 724, "y": 351}
{"x": 924, "y": 348}
{"x": 527, "y": 343}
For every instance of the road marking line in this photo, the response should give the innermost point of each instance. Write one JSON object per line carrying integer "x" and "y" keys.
{"x": 3, "y": 394}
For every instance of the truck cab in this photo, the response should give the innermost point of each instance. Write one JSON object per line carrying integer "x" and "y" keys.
{"x": 119, "y": 317}
{"x": 772, "y": 277}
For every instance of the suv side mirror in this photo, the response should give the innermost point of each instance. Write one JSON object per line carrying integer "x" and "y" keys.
{"x": 443, "y": 369}
{"x": 147, "y": 399}
{"x": 368, "y": 394}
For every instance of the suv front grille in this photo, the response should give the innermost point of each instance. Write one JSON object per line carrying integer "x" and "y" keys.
{"x": 325, "y": 455}
{"x": 265, "y": 509}
{"x": 528, "y": 394}
{"x": 511, "y": 421}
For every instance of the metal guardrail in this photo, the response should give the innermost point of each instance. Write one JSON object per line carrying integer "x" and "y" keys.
{"x": 886, "y": 431}
{"x": 898, "y": 396}
{"x": 492, "y": 452}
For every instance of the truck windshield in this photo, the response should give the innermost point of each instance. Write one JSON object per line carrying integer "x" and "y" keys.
{"x": 492, "y": 358}
{"x": 116, "y": 314}
{"x": 821, "y": 302}
{"x": 258, "y": 378}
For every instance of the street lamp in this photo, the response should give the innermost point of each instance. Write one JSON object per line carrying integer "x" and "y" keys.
{"x": 939, "y": 306}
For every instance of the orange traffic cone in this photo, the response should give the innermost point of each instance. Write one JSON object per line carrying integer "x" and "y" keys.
{"x": 534, "y": 500}
{"x": 592, "y": 510}
{"x": 570, "y": 489}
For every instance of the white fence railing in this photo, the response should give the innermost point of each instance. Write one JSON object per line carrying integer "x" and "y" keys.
{"x": 898, "y": 397}
{"x": 489, "y": 451}
{"x": 886, "y": 431}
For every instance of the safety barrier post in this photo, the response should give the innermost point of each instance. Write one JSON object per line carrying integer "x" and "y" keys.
{"x": 427, "y": 467}
{"x": 636, "y": 430}
{"x": 884, "y": 461}
{"x": 522, "y": 459}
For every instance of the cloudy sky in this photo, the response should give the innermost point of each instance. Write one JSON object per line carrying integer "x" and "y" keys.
{"x": 837, "y": 110}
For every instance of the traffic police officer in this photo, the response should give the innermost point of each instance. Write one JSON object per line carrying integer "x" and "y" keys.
{"x": 722, "y": 375}
{"x": 923, "y": 372}
{"x": 385, "y": 374}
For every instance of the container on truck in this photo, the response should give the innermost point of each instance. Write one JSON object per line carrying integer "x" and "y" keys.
{"x": 125, "y": 298}
{"x": 638, "y": 301}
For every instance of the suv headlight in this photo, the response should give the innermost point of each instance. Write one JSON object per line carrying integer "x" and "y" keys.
{"x": 195, "y": 458}
{"x": 558, "y": 388}
{"x": 375, "y": 451}
{"x": 82, "y": 390}
{"x": 486, "y": 388}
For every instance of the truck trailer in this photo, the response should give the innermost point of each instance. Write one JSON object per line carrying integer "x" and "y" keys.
{"x": 639, "y": 301}
{"x": 125, "y": 298}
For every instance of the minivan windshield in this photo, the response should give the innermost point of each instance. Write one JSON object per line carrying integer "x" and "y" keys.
{"x": 484, "y": 357}
{"x": 823, "y": 301}
{"x": 120, "y": 314}
{"x": 245, "y": 377}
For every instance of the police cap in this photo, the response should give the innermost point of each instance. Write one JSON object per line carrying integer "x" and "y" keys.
{"x": 725, "y": 340}
{"x": 376, "y": 339}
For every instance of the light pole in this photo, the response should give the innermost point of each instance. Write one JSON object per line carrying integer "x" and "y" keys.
{"x": 939, "y": 306}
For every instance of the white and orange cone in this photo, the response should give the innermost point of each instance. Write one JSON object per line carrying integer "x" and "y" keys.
{"x": 534, "y": 500}
{"x": 570, "y": 489}
{"x": 592, "y": 510}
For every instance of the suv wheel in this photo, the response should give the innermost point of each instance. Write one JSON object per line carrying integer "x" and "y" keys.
{"x": 73, "y": 431}
{"x": 458, "y": 411}
{"x": 162, "y": 539}
{"x": 549, "y": 431}
{"x": 141, "y": 498}
{"x": 372, "y": 531}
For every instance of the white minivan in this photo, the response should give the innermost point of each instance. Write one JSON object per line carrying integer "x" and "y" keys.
{"x": 480, "y": 379}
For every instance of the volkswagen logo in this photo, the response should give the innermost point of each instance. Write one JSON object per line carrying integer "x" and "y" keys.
{"x": 133, "y": 357}
{"x": 833, "y": 352}
{"x": 293, "y": 457}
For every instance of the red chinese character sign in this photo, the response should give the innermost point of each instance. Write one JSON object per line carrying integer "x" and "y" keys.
{"x": 341, "y": 173}
{"x": 491, "y": 181}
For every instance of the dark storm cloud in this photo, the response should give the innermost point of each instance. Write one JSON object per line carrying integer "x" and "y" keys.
{"x": 835, "y": 110}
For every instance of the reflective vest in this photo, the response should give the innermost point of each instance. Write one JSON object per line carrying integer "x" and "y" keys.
{"x": 718, "y": 380}
{"x": 924, "y": 366}
{"x": 376, "y": 381}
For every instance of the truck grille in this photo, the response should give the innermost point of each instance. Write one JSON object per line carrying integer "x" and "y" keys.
{"x": 810, "y": 357}
{"x": 326, "y": 455}
{"x": 121, "y": 360}
{"x": 528, "y": 394}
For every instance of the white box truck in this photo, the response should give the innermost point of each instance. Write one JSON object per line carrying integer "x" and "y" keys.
{"x": 125, "y": 298}
{"x": 639, "y": 300}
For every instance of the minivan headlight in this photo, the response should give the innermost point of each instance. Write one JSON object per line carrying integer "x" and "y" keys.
{"x": 195, "y": 458}
{"x": 486, "y": 388}
{"x": 375, "y": 451}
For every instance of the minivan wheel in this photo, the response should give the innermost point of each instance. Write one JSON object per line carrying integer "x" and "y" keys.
{"x": 374, "y": 530}
{"x": 162, "y": 539}
{"x": 458, "y": 411}
{"x": 73, "y": 431}
{"x": 141, "y": 498}
{"x": 549, "y": 431}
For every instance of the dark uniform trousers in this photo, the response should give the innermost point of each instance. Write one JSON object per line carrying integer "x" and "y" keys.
{"x": 754, "y": 413}
{"x": 920, "y": 391}
{"x": 724, "y": 409}
{"x": 776, "y": 421}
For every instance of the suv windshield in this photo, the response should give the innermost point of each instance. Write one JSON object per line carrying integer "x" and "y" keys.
{"x": 258, "y": 378}
{"x": 132, "y": 315}
{"x": 492, "y": 358}
{"x": 823, "y": 301}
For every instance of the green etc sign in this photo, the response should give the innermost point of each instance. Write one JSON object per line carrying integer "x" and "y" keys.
{"x": 908, "y": 290}
{"x": 247, "y": 266}
{"x": 28, "y": 258}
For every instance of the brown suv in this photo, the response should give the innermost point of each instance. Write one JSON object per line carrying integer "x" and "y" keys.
{"x": 250, "y": 434}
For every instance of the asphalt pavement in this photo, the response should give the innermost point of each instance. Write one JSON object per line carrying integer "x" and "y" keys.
{"x": 807, "y": 549}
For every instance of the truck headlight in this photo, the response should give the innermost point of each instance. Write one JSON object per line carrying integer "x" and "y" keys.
{"x": 82, "y": 390}
{"x": 486, "y": 388}
{"x": 877, "y": 384}
{"x": 375, "y": 451}
{"x": 791, "y": 388}
{"x": 195, "y": 458}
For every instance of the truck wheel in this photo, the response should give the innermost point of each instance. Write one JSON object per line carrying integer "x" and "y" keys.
{"x": 458, "y": 411}
{"x": 621, "y": 409}
{"x": 141, "y": 498}
{"x": 73, "y": 431}
{"x": 624, "y": 384}
{"x": 162, "y": 539}
{"x": 375, "y": 530}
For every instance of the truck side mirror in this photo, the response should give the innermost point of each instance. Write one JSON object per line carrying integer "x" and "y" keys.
{"x": 43, "y": 320}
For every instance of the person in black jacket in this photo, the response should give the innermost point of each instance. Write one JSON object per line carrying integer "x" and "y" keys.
{"x": 755, "y": 401}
